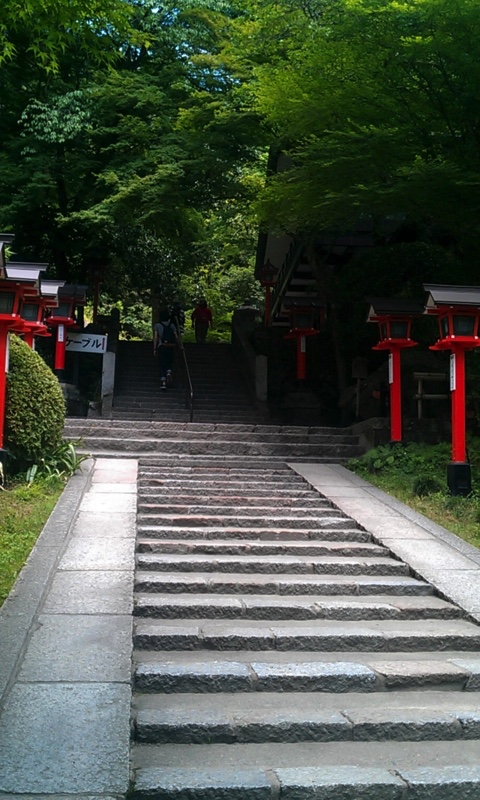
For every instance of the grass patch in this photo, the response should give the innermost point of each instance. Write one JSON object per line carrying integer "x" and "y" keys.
{"x": 416, "y": 475}
{"x": 24, "y": 510}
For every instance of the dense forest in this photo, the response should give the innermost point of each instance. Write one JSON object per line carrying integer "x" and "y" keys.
{"x": 136, "y": 136}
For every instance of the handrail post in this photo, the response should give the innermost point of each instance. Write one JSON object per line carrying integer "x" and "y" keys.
{"x": 189, "y": 395}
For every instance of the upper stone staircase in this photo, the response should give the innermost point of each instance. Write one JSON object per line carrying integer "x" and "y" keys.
{"x": 220, "y": 394}
{"x": 227, "y": 423}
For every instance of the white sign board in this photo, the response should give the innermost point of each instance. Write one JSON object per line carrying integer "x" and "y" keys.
{"x": 86, "y": 343}
{"x": 453, "y": 384}
{"x": 390, "y": 368}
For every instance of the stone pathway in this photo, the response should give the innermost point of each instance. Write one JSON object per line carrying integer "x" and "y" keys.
{"x": 65, "y": 643}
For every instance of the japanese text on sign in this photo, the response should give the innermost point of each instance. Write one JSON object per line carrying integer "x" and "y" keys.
{"x": 86, "y": 343}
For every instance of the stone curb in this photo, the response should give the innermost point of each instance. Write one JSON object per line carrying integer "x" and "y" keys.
{"x": 20, "y": 609}
{"x": 447, "y": 562}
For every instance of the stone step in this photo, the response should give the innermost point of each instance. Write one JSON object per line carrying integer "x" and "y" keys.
{"x": 282, "y": 584}
{"x": 266, "y": 607}
{"x": 242, "y": 717}
{"x": 312, "y": 672}
{"x": 181, "y": 416}
{"x": 75, "y": 422}
{"x": 382, "y": 635}
{"x": 213, "y": 447}
{"x": 210, "y": 509}
{"x": 183, "y": 435}
{"x": 308, "y": 770}
{"x": 318, "y": 565}
{"x": 175, "y": 458}
{"x": 248, "y": 492}
{"x": 231, "y": 467}
{"x": 215, "y": 502}
{"x": 245, "y": 547}
{"x": 223, "y": 472}
{"x": 351, "y": 534}
{"x": 210, "y": 520}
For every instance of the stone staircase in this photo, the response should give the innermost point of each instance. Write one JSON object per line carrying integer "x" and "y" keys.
{"x": 281, "y": 654}
{"x": 220, "y": 393}
{"x": 164, "y": 441}
{"x": 153, "y": 424}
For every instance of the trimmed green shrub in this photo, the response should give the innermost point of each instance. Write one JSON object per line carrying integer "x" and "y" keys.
{"x": 35, "y": 409}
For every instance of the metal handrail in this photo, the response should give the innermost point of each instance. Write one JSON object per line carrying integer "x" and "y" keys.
{"x": 285, "y": 271}
{"x": 189, "y": 396}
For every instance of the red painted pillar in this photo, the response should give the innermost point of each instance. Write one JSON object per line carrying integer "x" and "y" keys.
{"x": 457, "y": 386}
{"x": 3, "y": 378}
{"x": 395, "y": 380}
{"x": 301, "y": 358}
{"x": 29, "y": 338}
{"x": 60, "y": 347}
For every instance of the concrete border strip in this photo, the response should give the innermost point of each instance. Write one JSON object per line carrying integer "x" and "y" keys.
{"x": 19, "y": 610}
{"x": 435, "y": 554}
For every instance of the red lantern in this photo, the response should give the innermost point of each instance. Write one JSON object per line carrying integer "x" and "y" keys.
{"x": 303, "y": 312}
{"x": 394, "y": 317}
{"x": 63, "y": 319}
{"x": 458, "y": 311}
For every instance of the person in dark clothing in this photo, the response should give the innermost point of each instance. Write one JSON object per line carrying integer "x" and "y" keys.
{"x": 202, "y": 320}
{"x": 164, "y": 340}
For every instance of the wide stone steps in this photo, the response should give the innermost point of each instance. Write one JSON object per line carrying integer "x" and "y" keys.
{"x": 229, "y": 547}
{"x": 310, "y": 770}
{"x": 334, "y": 534}
{"x": 242, "y": 492}
{"x": 210, "y": 446}
{"x": 243, "y": 717}
{"x": 151, "y": 502}
{"x": 330, "y": 521}
{"x": 184, "y": 504}
{"x": 210, "y": 672}
{"x": 381, "y": 635}
{"x": 211, "y": 606}
{"x": 220, "y": 436}
{"x": 319, "y": 565}
{"x": 281, "y": 584}
{"x": 220, "y": 392}
{"x": 281, "y": 653}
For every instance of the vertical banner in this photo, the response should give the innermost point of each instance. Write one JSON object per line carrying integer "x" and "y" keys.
{"x": 7, "y": 354}
{"x": 453, "y": 377}
{"x": 390, "y": 369}
{"x": 303, "y": 344}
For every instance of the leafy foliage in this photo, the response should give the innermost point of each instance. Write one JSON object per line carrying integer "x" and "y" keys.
{"x": 407, "y": 461}
{"x": 43, "y": 30}
{"x": 416, "y": 475}
{"x": 35, "y": 408}
{"x": 58, "y": 464}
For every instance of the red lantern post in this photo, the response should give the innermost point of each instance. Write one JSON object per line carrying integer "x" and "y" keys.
{"x": 302, "y": 311}
{"x": 394, "y": 317}
{"x": 35, "y": 301}
{"x": 458, "y": 311}
{"x": 62, "y": 318}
